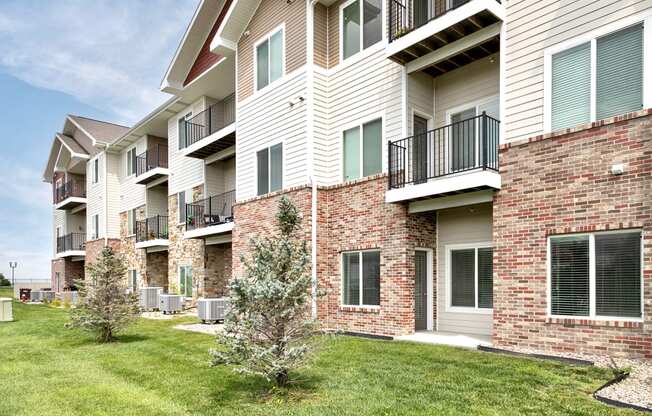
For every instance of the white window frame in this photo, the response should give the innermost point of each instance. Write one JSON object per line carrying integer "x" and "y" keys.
{"x": 131, "y": 222}
{"x": 266, "y": 38}
{"x": 133, "y": 276}
{"x": 95, "y": 170}
{"x": 592, "y": 37}
{"x": 95, "y": 227}
{"x": 187, "y": 116}
{"x": 361, "y": 278}
{"x": 448, "y": 249}
{"x": 129, "y": 160}
{"x": 341, "y": 29}
{"x": 430, "y": 322}
{"x": 269, "y": 166}
{"x": 185, "y": 266}
{"x": 359, "y": 123}
{"x": 187, "y": 198}
{"x": 592, "y": 284}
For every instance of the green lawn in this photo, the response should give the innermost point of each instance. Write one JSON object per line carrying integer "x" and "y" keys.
{"x": 157, "y": 370}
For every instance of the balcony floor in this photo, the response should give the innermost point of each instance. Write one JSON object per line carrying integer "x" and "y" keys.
{"x": 70, "y": 203}
{"x": 152, "y": 175}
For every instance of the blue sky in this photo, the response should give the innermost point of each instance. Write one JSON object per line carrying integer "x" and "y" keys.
{"x": 101, "y": 59}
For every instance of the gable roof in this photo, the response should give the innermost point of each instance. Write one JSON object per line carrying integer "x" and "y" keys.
{"x": 193, "y": 55}
{"x": 101, "y": 132}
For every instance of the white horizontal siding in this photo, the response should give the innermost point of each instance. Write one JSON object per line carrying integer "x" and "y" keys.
{"x": 113, "y": 195}
{"x": 265, "y": 119}
{"x": 131, "y": 194}
{"x": 532, "y": 27}
{"x": 420, "y": 94}
{"x": 58, "y": 220}
{"x": 355, "y": 93}
{"x": 95, "y": 196}
{"x": 185, "y": 172}
{"x": 157, "y": 201}
{"x": 220, "y": 177}
{"x": 460, "y": 226}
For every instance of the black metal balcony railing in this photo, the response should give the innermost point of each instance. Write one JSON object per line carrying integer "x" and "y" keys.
{"x": 154, "y": 157}
{"x": 214, "y": 118}
{"x": 407, "y": 15}
{"x": 214, "y": 210}
{"x": 71, "y": 242}
{"x": 152, "y": 228}
{"x": 458, "y": 147}
{"x": 72, "y": 188}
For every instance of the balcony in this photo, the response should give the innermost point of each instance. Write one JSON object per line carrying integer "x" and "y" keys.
{"x": 71, "y": 245}
{"x": 210, "y": 216}
{"x": 458, "y": 158}
{"x": 152, "y": 232}
{"x": 438, "y": 36}
{"x": 210, "y": 131}
{"x": 152, "y": 164}
{"x": 70, "y": 195}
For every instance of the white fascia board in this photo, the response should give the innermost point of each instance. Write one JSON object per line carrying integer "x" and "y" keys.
{"x": 71, "y": 253}
{"x": 446, "y": 184}
{"x": 447, "y": 20}
{"x": 158, "y": 242}
{"x": 72, "y": 199}
{"x": 209, "y": 139}
{"x": 223, "y": 46}
{"x": 434, "y": 204}
{"x": 206, "y": 231}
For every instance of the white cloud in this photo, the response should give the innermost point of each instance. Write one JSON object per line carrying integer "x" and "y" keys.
{"x": 109, "y": 54}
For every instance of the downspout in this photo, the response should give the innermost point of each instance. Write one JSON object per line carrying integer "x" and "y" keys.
{"x": 310, "y": 80}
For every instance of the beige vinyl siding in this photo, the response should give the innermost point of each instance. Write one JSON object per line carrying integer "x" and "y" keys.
{"x": 220, "y": 177}
{"x": 185, "y": 172}
{"x": 355, "y": 93}
{"x": 95, "y": 196}
{"x": 461, "y": 226}
{"x": 58, "y": 220}
{"x": 132, "y": 195}
{"x": 475, "y": 81}
{"x": 267, "y": 120}
{"x": 320, "y": 40}
{"x": 157, "y": 201}
{"x": 420, "y": 92}
{"x": 75, "y": 223}
{"x": 113, "y": 194}
{"x": 268, "y": 16}
{"x": 535, "y": 26}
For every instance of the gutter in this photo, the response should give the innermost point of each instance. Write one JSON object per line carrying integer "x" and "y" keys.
{"x": 310, "y": 128}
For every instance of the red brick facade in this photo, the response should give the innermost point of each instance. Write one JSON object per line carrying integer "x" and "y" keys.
{"x": 94, "y": 248}
{"x": 561, "y": 184}
{"x": 68, "y": 272}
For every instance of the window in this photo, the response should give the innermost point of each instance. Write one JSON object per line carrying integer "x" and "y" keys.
{"x": 269, "y": 59}
{"x": 182, "y": 130}
{"x": 356, "y": 36}
{"x": 597, "y": 79}
{"x": 96, "y": 170}
{"x": 471, "y": 277}
{"x": 185, "y": 281}
{"x": 131, "y": 161}
{"x": 361, "y": 278}
{"x": 596, "y": 275}
{"x": 133, "y": 280}
{"x": 363, "y": 157}
{"x": 270, "y": 169}
{"x": 181, "y": 207}
{"x": 131, "y": 222}
{"x": 95, "y": 226}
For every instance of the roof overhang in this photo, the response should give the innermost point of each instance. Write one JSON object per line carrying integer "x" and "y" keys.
{"x": 235, "y": 22}
{"x": 62, "y": 155}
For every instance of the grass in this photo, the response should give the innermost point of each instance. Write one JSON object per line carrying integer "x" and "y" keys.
{"x": 157, "y": 370}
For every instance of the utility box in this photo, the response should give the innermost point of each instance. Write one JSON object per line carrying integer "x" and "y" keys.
{"x": 6, "y": 313}
{"x": 149, "y": 298}
{"x": 212, "y": 309}
{"x": 171, "y": 304}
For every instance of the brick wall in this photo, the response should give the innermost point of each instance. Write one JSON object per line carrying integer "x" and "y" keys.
{"x": 94, "y": 248}
{"x": 558, "y": 184}
{"x": 69, "y": 272}
{"x": 217, "y": 258}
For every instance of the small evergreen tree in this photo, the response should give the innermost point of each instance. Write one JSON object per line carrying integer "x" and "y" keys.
{"x": 4, "y": 281}
{"x": 105, "y": 307}
{"x": 268, "y": 329}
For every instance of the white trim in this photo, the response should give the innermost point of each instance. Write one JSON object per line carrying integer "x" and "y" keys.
{"x": 267, "y": 38}
{"x": 269, "y": 165}
{"x": 448, "y": 307}
{"x": 449, "y": 183}
{"x": 359, "y": 124}
{"x": 591, "y": 37}
{"x": 592, "y": 279}
{"x": 360, "y": 277}
{"x": 210, "y": 230}
{"x": 158, "y": 242}
{"x": 133, "y": 159}
{"x": 430, "y": 120}
{"x": 430, "y": 287}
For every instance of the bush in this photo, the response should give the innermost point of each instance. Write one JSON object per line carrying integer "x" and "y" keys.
{"x": 56, "y": 303}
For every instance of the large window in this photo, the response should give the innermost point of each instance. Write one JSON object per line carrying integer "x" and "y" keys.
{"x": 181, "y": 207}
{"x": 95, "y": 227}
{"x": 361, "y": 25}
{"x": 133, "y": 279}
{"x": 95, "y": 176}
{"x": 183, "y": 130}
{"x": 471, "y": 277}
{"x": 596, "y": 275}
{"x": 131, "y": 161}
{"x": 361, "y": 278}
{"x": 269, "y": 59}
{"x": 363, "y": 150}
{"x": 131, "y": 222}
{"x": 270, "y": 169}
{"x": 185, "y": 281}
{"x": 597, "y": 79}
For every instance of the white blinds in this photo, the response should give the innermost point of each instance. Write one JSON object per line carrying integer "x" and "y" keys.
{"x": 571, "y": 87}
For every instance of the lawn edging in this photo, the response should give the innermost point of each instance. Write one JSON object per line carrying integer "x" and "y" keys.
{"x": 617, "y": 403}
{"x": 565, "y": 360}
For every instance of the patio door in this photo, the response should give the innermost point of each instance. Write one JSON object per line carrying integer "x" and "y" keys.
{"x": 420, "y": 150}
{"x": 420, "y": 290}
{"x": 421, "y": 16}
{"x": 463, "y": 140}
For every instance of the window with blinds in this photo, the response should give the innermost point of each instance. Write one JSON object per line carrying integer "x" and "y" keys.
{"x": 618, "y": 72}
{"x": 596, "y": 275}
{"x": 361, "y": 278}
{"x": 471, "y": 278}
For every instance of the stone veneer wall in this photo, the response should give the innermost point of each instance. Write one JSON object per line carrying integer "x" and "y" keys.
{"x": 184, "y": 252}
{"x": 558, "y": 184}
{"x": 218, "y": 269}
{"x": 70, "y": 271}
{"x": 156, "y": 273}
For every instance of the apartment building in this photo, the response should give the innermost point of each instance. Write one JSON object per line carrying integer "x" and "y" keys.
{"x": 470, "y": 167}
